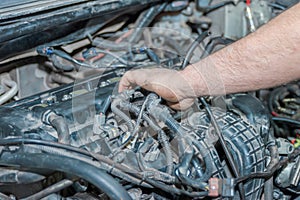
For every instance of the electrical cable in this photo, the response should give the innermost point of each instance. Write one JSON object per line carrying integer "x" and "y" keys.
{"x": 162, "y": 135}
{"x": 139, "y": 117}
{"x": 192, "y": 48}
{"x": 273, "y": 96}
{"x": 69, "y": 58}
{"x": 286, "y": 120}
{"x": 48, "y": 51}
{"x": 272, "y": 170}
{"x": 268, "y": 186}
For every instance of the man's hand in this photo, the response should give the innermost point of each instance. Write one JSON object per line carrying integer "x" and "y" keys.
{"x": 171, "y": 85}
{"x": 260, "y": 60}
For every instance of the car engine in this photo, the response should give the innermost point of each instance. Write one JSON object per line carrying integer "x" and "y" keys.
{"x": 66, "y": 132}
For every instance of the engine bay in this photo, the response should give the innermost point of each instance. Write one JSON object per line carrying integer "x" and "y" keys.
{"x": 67, "y": 133}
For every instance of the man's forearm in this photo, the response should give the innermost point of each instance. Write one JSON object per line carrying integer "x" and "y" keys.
{"x": 266, "y": 58}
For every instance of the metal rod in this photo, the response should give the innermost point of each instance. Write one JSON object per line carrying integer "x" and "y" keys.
{"x": 51, "y": 189}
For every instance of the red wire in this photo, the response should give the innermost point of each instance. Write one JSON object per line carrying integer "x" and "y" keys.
{"x": 248, "y": 2}
{"x": 274, "y": 114}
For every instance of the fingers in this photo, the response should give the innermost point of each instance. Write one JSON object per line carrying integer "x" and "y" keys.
{"x": 182, "y": 105}
{"x": 127, "y": 82}
{"x": 166, "y": 83}
{"x": 134, "y": 78}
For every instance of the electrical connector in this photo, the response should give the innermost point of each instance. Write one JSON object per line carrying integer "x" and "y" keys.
{"x": 221, "y": 187}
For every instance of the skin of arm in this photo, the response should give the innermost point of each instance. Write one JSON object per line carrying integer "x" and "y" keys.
{"x": 266, "y": 58}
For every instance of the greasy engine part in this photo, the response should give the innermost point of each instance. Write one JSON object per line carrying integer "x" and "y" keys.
{"x": 138, "y": 152}
{"x": 65, "y": 133}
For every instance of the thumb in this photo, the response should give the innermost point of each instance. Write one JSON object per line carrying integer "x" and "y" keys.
{"x": 127, "y": 82}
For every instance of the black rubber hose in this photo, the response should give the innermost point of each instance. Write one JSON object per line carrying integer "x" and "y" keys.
{"x": 213, "y": 43}
{"x": 101, "y": 158}
{"x": 93, "y": 175}
{"x": 185, "y": 163}
{"x": 273, "y": 97}
{"x": 54, "y": 148}
{"x": 60, "y": 125}
{"x": 182, "y": 171}
{"x": 112, "y": 169}
{"x": 207, "y": 160}
{"x": 192, "y": 48}
{"x": 144, "y": 20}
{"x": 286, "y": 120}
